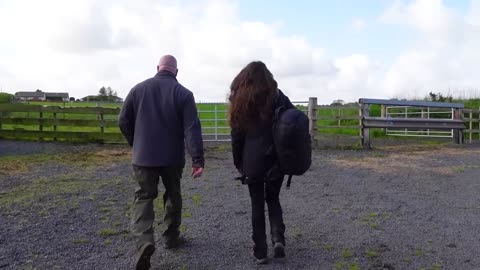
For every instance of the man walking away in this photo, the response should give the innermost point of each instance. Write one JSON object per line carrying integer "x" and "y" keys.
{"x": 158, "y": 119}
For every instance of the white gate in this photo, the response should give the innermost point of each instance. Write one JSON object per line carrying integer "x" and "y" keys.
{"x": 422, "y": 113}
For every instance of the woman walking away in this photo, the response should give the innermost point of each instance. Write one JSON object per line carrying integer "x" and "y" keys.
{"x": 254, "y": 96}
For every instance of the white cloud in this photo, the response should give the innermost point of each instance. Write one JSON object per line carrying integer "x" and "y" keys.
{"x": 78, "y": 46}
{"x": 445, "y": 55}
{"x": 474, "y": 14}
{"x": 358, "y": 24}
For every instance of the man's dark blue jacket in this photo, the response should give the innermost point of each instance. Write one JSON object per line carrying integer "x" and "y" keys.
{"x": 158, "y": 118}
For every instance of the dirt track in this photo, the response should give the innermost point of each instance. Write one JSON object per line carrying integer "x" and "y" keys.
{"x": 396, "y": 207}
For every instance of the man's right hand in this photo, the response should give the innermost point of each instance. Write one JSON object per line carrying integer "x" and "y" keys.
{"x": 197, "y": 172}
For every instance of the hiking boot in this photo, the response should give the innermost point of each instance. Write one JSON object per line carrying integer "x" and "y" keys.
{"x": 278, "y": 250}
{"x": 262, "y": 261}
{"x": 260, "y": 255}
{"x": 175, "y": 242}
{"x": 143, "y": 257}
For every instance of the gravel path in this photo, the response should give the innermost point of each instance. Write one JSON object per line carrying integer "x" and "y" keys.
{"x": 408, "y": 207}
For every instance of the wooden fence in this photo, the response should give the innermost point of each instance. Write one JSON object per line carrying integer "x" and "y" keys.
{"x": 472, "y": 122}
{"x": 82, "y": 124}
{"x": 453, "y": 122}
{"x": 99, "y": 124}
{"x": 348, "y": 120}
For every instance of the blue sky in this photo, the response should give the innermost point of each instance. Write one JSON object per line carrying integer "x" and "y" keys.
{"x": 342, "y": 49}
{"x": 328, "y": 24}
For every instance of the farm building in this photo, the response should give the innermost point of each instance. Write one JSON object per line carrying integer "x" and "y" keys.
{"x": 26, "y": 96}
{"x": 39, "y": 95}
{"x": 57, "y": 96}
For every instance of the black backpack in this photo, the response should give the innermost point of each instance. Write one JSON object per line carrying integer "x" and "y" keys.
{"x": 292, "y": 142}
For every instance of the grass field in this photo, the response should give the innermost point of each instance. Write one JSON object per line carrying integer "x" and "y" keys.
{"x": 471, "y": 103}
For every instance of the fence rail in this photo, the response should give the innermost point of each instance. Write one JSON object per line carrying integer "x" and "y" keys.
{"x": 99, "y": 124}
{"x": 89, "y": 124}
{"x": 454, "y": 122}
{"x": 472, "y": 120}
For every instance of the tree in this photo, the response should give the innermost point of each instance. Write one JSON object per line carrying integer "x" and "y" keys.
{"x": 337, "y": 102}
{"x": 102, "y": 92}
{"x": 6, "y": 97}
{"x": 109, "y": 91}
{"x": 439, "y": 97}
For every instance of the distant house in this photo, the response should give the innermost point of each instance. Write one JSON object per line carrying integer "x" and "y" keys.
{"x": 93, "y": 98}
{"x": 57, "y": 96}
{"x": 39, "y": 95}
{"x": 33, "y": 96}
{"x": 90, "y": 98}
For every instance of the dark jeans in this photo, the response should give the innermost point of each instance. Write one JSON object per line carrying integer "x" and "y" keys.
{"x": 260, "y": 193}
{"x": 143, "y": 212}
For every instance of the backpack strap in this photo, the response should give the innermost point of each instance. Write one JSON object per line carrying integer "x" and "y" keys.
{"x": 289, "y": 181}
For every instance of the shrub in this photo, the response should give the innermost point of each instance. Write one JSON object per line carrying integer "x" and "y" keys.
{"x": 6, "y": 98}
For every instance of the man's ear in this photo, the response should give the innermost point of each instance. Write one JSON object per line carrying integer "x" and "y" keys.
{"x": 176, "y": 72}
{"x": 158, "y": 68}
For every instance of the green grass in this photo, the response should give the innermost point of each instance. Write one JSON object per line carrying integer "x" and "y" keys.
{"x": 341, "y": 265}
{"x": 108, "y": 232}
{"x": 354, "y": 266}
{"x": 197, "y": 199}
{"x": 54, "y": 191}
{"x": 371, "y": 254}
{"x": 81, "y": 241}
{"x": 458, "y": 169}
{"x": 473, "y": 103}
{"x": 49, "y": 191}
{"x": 11, "y": 165}
{"x": 6, "y": 98}
{"x": 116, "y": 224}
{"x": 419, "y": 252}
{"x": 372, "y": 219}
{"x": 334, "y": 125}
{"x": 75, "y": 104}
{"x": 328, "y": 247}
{"x": 347, "y": 253}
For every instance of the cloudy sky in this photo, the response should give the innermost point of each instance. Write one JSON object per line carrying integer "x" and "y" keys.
{"x": 344, "y": 49}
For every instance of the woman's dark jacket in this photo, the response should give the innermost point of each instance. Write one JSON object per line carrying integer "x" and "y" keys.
{"x": 253, "y": 151}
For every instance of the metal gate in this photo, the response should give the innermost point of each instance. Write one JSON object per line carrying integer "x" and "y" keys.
{"x": 419, "y": 113}
{"x": 214, "y": 119}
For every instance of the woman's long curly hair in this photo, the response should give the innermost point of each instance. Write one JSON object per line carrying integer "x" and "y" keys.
{"x": 252, "y": 96}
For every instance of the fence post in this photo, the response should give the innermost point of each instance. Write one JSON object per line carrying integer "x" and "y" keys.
{"x": 365, "y": 112}
{"x": 470, "y": 126}
{"x": 55, "y": 126}
{"x": 383, "y": 114}
{"x": 102, "y": 125}
{"x": 312, "y": 116}
{"x": 458, "y": 133}
{"x": 339, "y": 115}
{"x": 40, "y": 123}
{"x": 216, "y": 122}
